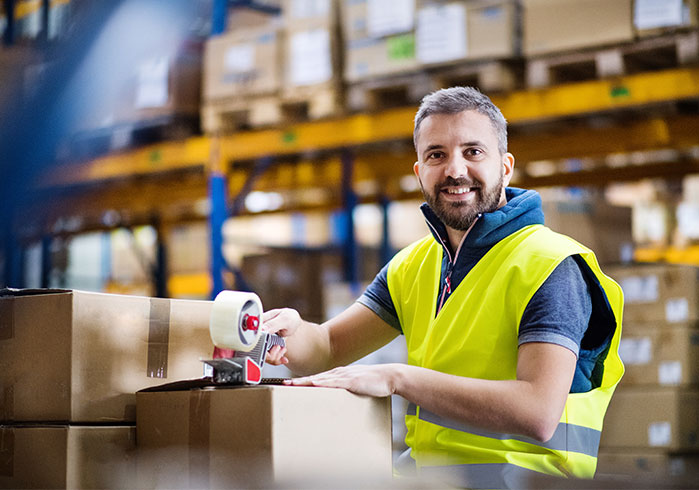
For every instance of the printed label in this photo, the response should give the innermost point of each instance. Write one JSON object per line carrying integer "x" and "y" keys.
{"x": 670, "y": 373}
{"x": 659, "y": 434}
{"x": 385, "y": 18}
{"x": 152, "y": 84}
{"x": 441, "y": 33}
{"x": 634, "y": 351}
{"x": 650, "y": 14}
{"x": 239, "y": 58}
{"x": 310, "y": 57}
{"x": 677, "y": 310}
{"x": 640, "y": 289}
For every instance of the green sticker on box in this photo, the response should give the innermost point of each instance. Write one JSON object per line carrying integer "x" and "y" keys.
{"x": 401, "y": 47}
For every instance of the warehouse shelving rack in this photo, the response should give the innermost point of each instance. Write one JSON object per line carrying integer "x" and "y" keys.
{"x": 159, "y": 182}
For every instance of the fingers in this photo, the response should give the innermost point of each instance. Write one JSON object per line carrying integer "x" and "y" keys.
{"x": 276, "y": 356}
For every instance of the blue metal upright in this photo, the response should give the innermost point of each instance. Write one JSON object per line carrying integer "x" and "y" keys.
{"x": 386, "y": 251}
{"x": 8, "y": 37}
{"x": 349, "y": 202}
{"x": 46, "y": 261}
{"x": 217, "y": 217}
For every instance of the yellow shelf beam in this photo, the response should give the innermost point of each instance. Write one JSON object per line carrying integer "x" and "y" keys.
{"x": 519, "y": 107}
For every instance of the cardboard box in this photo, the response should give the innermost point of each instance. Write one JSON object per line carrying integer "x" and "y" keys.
{"x": 369, "y": 58}
{"x": 658, "y": 292}
{"x": 243, "y": 62}
{"x": 652, "y": 17}
{"x": 80, "y": 357}
{"x": 647, "y": 462}
{"x": 561, "y": 25}
{"x": 661, "y": 418}
{"x": 447, "y": 32}
{"x": 263, "y": 437}
{"x": 67, "y": 456}
{"x": 304, "y": 14}
{"x": 603, "y": 228}
{"x": 660, "y": 355}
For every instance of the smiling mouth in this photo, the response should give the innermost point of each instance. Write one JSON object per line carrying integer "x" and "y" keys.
{"x": 459, "y": 190}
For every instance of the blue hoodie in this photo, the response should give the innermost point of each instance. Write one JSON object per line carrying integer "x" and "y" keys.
{"x": 560, "y": 312}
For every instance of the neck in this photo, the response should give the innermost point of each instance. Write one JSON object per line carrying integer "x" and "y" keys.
{"x": 457, "y": 237}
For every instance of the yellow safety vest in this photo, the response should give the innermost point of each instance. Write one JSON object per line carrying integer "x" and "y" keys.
{"x": 475, "y": 334}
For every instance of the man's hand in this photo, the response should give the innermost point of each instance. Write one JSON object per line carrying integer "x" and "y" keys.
{"x": 283, "y": 322}
{"x": 374, "y": 380}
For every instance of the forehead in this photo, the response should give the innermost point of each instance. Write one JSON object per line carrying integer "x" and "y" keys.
{"x": 465, "y": 126}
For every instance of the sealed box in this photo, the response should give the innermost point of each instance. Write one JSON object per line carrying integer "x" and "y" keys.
{"x": 647, "y": 462}
{"x": 263, "y": 437}
{"x": 562, "y": 25}
{"x": 451, "y": 31}
{"x": 659, "y": 354}
{"x": 661, "y": 418}
{"x": 243, "y": 62}
{"x": 66, "y": 456}
{"x": 369, "y": 57}
{"x": 658, "y": 292}
{"x": 80, "y": 357}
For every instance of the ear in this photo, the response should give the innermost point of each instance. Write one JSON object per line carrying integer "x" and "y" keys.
{"x": 508, "y": 162}
{"x": 416, "y": 169}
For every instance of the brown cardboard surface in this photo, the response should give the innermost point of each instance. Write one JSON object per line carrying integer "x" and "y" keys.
{"x": 262, "y": 436}
{"x": 647, "y": 462}
{"x": 78, "y": 356}
{"x": 658, "y": 292}
{"x": 660, "y": 355}
{"x": 560, "y": 25}
{"x": 603, "y": 228}
{"x": 660, "y": 418}
{"x": 67, "y": 457}
{"x": 262, "y": 76}
{"x": 367, "y": 58}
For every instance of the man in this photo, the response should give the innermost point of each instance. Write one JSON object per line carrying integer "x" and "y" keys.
{"x": 512, "y": 330}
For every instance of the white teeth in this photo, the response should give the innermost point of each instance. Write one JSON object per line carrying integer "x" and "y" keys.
{"x": 460, "y": 190}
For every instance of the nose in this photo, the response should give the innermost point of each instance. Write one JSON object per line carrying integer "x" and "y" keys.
{"x": 457, "y": 166}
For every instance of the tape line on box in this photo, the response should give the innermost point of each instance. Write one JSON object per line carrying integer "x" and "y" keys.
{"x": 199, "y": 423}
{"x": 7, "y": 402}
{"x": 7, "y": 318}
{"x": 158, "y": 338}
{"x": 7, "y": 451}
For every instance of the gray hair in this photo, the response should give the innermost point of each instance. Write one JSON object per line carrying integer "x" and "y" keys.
{"x": 457, "y": 99}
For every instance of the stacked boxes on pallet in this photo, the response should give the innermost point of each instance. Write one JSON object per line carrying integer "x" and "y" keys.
{"x": 242, "y": 75}
{"x": 70, "y": 364}
{"x": 652, "y": 425}
{"x": 387, "y": 39}
{"x": 312, "y": 57}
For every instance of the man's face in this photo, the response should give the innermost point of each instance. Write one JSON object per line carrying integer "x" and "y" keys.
{"x": 460, "y": 168}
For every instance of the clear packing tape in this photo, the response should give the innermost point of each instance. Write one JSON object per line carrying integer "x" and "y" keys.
{"x": 236, "y": 320}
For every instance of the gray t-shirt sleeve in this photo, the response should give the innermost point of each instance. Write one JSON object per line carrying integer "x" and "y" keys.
{"x": 378, "y": 299}
{"x": 559, "y": 312}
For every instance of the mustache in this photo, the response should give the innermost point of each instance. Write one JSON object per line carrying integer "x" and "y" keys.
{"x": 460, "y": 182}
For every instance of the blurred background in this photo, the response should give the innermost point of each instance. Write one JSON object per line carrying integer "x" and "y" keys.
{"x": 177, "y": 148}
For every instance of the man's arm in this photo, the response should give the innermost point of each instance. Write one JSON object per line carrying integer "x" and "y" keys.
{"x": 530, "y": 405}
{"x": 312, "y": 348}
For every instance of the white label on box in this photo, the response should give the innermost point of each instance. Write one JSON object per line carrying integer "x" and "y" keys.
{"x": 659, "y": 434}
{"x": 441, "y": 33}
{"x": 649, "y": 14}
{"x": 688, "y": 219}
{"x": 384, "y": 17}
{"x": 152, "y": 84}
{"x": 640, "y": 289}
{"x": 310, "y": 57}
{"x": 304, "y": 9}
{"x": 635, "y": 350}
{"x": 676, "y": 310}
{"x": 670, "y": 373}
{"x": 239, "y": 58}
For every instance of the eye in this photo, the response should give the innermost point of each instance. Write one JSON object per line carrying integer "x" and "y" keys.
{"x": 473, "y": 152}
{"x": 435, "y": 155}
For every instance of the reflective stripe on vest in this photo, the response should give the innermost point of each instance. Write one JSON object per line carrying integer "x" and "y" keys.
{"x": 485, "y": 475}
{"x": 567, "y": 437}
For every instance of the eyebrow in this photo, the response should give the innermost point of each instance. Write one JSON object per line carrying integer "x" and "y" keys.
{"x": 467, "y": 144}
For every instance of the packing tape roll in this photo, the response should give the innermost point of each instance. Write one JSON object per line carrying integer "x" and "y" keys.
{"x": 236, "y": 320}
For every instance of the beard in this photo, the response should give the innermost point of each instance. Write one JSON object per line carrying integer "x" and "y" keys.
{"x": 461, "y": 215}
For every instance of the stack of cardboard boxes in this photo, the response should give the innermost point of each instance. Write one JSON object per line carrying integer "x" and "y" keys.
{"x": 70, "y": 364}
{"x": 652, "y": 424}
{"x": 267, "y": 69}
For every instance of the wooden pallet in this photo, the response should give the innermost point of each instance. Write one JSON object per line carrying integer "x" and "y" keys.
{"x": 409, "y": 88}
{"x": 663, "y": 52}
{"x": 293, "y": 106}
